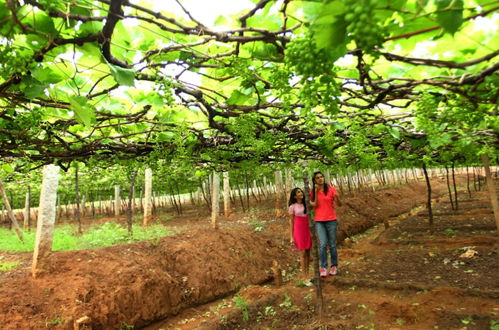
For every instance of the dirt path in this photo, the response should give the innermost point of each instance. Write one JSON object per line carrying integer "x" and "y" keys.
{"x": 413, "y": 277}
{"x": 406, "y": 277}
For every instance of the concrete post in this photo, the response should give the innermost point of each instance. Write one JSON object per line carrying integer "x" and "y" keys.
{"x": 46, "y": 219}
{"x": 148, "y": 197}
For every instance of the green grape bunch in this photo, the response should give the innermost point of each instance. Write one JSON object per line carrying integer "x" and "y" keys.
{"x": 362, "y": 26}
{"x": 307, "y": 59}
{"x": 13, "y": 63}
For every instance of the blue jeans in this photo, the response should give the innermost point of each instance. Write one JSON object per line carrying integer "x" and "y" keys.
{"x": 326, "y": 230}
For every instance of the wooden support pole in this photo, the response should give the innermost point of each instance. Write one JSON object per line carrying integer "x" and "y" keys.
{"x": 11, "y": 215}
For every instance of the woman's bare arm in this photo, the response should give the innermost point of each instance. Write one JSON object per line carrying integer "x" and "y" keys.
{"x": 314, "y": 202}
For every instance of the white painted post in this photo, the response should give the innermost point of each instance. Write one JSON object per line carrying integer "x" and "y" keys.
{"x": 227, "y": 209}
{"x": 256, "y": 190}
{"x": 117, "y": 200}
{"x": 327, "y": 177}
{"x": 278, "y": 194}
{"x": 215, "y": 197}
{"x": 199, "y": 196}
{"x": 26, "y": 213}
{"x": 133, "y": 200}
{"x": 46, "y": 219}
{"x": 491, "y": 187}
{"x": 82, "y": 205}
{"x": 147, "y": 197}
{"x": 289, "y": 182}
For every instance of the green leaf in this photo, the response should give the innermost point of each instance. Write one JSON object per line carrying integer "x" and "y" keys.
{"x": 311, "y": 10}
{"x": 89, "y": 28}
{"x": 396, "y": 4}
{"x": 442, "y": 140}
{"x": 450, "y": 14}
{"x": 124, "y": 77}
{"x": 337, "y": 8}
{"x": 4, "y": 12}
{"x": 84, "y": 113}
{"x": 36, "y": 41}
{"x": 331, "y": 35}
{"x": 394, "y": 131}
{"x": 417, "y": 6}
{"x": 265, "y": 51}
{"x": 416, "y": 143}
{"x": 47, "y": 75}
{"x": 237, "y": 98}
{"x": 330, "y": 27}
{"x": 410, "y": 25}
{"x": 338, "y": 126}
{"x": 146, "y": 42}
{"x": 91, "y": 55}
{"x": 165, "y": 136}
{"x": 7, "y": 168}
{"x": 142, "y": 97}
{"x": 80, "y": 10}
{"x": 266, "y": 19}
{"x": 220, "y": 20}
{"x": 39, "y": 21}
{"x": 199, "y": 173}
{"x": 32, "y": 88}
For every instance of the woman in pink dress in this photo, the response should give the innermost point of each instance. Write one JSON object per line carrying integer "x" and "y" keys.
{"x": 298, "y": 228}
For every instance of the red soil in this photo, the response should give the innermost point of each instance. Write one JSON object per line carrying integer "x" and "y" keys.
{"x": 407, "y": 277}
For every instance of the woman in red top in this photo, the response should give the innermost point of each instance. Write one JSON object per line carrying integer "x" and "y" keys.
{"x": 322, "y": 198}
{"x": 299, "y": 233}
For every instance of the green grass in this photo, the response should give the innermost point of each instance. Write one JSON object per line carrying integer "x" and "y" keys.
{"x": 65, "y": 238}
{"x": 7, "y": 265}
{"x": 242, "y": 304}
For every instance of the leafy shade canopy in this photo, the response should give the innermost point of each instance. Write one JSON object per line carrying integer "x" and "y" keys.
{"x": 352, "y": 83}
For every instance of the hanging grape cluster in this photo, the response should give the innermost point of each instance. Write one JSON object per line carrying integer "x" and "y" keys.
{"x": 306, "y": 59}
{"x": 362, "y": 25}
{"x": 14, "y": 61}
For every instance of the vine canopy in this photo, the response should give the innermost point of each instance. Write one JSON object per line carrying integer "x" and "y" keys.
{"x": 344, "y": 82}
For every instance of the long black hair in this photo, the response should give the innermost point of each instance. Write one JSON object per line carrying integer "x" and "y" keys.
{"x": 292, "y": 199}
{"x": 313, "y": 185}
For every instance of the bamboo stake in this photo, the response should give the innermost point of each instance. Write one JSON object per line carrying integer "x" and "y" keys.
{"x": 10, "y": 213}
{"x": 315, "y": 245}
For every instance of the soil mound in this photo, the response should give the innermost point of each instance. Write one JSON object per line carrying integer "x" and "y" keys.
{"x": 135, "y": 284}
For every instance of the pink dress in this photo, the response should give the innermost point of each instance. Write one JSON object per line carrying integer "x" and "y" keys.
{"x": 301, "y": 232}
